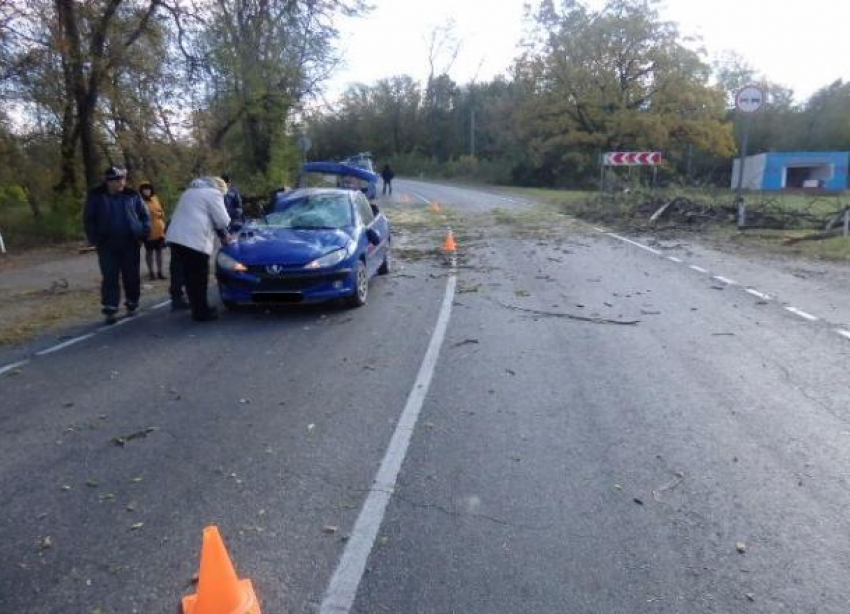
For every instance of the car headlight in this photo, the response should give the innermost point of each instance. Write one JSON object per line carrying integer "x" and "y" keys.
{"x": 229, "y": 263}
{"x": 328, "y": 260}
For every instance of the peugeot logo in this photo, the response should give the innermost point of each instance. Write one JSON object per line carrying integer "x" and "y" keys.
{"x": 274, "y": 269}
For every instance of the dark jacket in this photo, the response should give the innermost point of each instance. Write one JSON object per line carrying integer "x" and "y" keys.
{"x": 233, "y": 204}
{"x": 387, "y": 173}
{"x": 100, "y": 225}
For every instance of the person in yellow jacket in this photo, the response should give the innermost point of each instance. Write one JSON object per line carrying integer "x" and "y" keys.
{"x": 155, "y": 241}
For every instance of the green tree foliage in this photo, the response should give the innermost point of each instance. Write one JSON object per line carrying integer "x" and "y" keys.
{"x": 615, "y": 79}
{"x": 263, "y": 59}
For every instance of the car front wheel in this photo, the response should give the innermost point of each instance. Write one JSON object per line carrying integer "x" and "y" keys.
{"x": 361, "y": 286}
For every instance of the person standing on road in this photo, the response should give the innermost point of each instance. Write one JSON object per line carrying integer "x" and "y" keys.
{"x": 156, "y": 239}
{"x": 233, "y": 203}
{"x": 116, "y": 222}
{"x": 200, "y": 216}
{"x": 387, "y": 175}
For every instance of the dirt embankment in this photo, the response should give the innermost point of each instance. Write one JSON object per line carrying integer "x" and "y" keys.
{"x": 45, "y": 288}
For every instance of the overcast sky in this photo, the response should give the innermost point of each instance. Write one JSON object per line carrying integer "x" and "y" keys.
{"x": 802, "y": 45}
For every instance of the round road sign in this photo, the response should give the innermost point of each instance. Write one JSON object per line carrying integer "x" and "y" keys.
{"x": 749, "y": 99}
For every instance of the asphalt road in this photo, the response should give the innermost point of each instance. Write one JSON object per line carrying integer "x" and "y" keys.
{"x": 601, "y": 430}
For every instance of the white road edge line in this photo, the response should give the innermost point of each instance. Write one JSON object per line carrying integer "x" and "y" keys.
{"x": 12, "y": 366}
{"x": 674, "y": 259}
{"x": 843, "y": 333}
{"x": 726, "y": 280}
{"x": 698, "y": 269}
{"x": 161, "y": 305}
{"x": 420, "y": 197}
{"x": 802, "y": 314}
{"x": 597, "y": 229}
{"x": 761, "y": 295}
{"x": 342, "y": 589}
{"x": 64, "y": 344}
{"x": 635, "y": 243}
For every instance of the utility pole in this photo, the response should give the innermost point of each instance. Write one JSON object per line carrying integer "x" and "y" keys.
{"x": 472, "y": 130}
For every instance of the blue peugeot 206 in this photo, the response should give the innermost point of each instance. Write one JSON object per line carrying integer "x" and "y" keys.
{"x": 312, "y": 245}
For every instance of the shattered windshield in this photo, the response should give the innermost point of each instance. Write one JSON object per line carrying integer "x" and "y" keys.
{"x": 315, "y": 211}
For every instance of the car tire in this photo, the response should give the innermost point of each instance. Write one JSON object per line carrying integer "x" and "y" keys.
{"x": 386, "y": 265}
{"x": 361, "y": 286}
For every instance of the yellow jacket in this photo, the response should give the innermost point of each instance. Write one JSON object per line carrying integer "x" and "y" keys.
{"x": 157, "y": 219}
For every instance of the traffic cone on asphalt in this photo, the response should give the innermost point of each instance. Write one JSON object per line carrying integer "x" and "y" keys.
{"x": 450, "y": 246}
{"x": 219, "y": 590}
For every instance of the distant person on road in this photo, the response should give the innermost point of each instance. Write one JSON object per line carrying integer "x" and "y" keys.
{"x": 155, "y": 242}
{"x": 116, "y": 222}
{"x": 233, "y": 203}
{"x": 200, "y": 216}
{"x": 387, "y": 175}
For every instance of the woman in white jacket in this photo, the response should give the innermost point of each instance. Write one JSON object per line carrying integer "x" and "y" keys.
{"x": 200, "y": 216}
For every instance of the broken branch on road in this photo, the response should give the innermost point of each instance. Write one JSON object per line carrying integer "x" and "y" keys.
{"x": 570, "y": 316}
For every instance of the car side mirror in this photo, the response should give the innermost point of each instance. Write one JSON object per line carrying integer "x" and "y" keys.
{"x": 373, "y": 236}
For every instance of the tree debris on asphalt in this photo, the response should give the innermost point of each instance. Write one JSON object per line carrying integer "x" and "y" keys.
{"x": 123, "y": 439}
{"x": 680, "y": 476}
{"x": 570, "y": 316}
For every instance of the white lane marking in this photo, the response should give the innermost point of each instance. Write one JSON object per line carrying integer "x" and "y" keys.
{"x": 161, "y": 305}
{"x": 12, "y": 366}
{"x": 802, "y": 314}
{"x": 635, "y": 243}
{"x": 342, "y": 589}
{"x": 64, "y": 344}
{"x": 420, "y": 197}
{"x": 726, "y": 280}
{"x": 674, "y": 259}
{"x": 761, "y": 295}
{"x": 698, "y": 269}
{"x": 843, "y": 333}
{"x": 598, "y": 229}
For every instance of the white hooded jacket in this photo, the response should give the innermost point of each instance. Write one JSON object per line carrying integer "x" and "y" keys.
{"x": 199, "y": 213}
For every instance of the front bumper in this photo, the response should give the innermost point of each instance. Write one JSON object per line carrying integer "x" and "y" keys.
{"x": 258, "y": 287}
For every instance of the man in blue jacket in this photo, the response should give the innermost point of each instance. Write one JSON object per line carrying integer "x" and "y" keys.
{"x": 233, "y": 204}
{"x": 116, "y": 222}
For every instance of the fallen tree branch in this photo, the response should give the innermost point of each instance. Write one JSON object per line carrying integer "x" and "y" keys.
{"x": 818, "y": 236}
{"x": 571, "y": 316}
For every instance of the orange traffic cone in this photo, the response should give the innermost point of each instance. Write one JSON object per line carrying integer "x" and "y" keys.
{"x": 450, "y": 246}
{"x": 219, "y": 590}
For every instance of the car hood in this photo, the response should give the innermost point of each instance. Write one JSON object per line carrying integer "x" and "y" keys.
{"x": 265, "y": 245}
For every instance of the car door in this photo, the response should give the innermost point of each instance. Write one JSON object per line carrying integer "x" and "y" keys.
{"x": 374, "y": 253}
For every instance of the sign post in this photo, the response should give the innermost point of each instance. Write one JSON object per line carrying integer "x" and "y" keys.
{"x": 748, "y": 100}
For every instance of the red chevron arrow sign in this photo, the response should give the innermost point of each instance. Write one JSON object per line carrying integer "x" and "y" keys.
{"x": 632, "y": 158}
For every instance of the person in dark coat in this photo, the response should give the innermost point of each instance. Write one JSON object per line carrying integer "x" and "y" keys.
{"x": 116, "y": 222}
{"x": 233, "y": 204}
{"x": 387, "y": 175}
